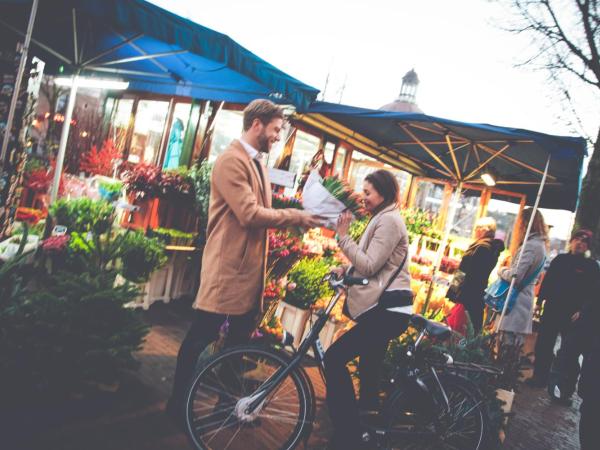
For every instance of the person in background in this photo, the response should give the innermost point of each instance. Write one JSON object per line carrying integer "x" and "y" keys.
{"x": 588, "y": 337}
{"x": 381, "y": 257}
{"x": 569, "y": 282}
{"x": 476, "y": 264}
{"x": 518, "y": 322}
{"x": 234, "y": 260}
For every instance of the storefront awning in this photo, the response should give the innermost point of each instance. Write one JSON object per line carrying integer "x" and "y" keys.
{"x": 155, "y": 50}
{"x": 460, "y": 152}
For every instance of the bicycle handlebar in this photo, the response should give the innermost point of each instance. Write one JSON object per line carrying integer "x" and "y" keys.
{"x": 345, "y": 281}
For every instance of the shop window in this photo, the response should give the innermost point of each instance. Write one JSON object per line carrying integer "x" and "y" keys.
{"x": 505, "y": 213}
{"x": 362, "y": 165}
{"x": 402, "y": 177}
{"x": 339, "y": 162}
{"x": 228, "y": 126}
{"x": 278, "y": 147}
{"x": 174, "y": 149}
{"x": 466, "y": 213}
{"x": 148, "y": 129}
{"x": 305, "y": 147}
{"x": 429, "y": 196}
{"x": 120, "y": 111}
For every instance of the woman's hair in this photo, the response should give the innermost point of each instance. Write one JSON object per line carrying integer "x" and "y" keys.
{"x": 386, "y": 185}
{"x": 488, "y": 224}
{"x": 538, "y": 226}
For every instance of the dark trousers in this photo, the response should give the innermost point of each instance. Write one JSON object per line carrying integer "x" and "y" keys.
{"x": 589, "y": 432}
{"x": 565, "y": 369}
{"x": 475, "y": 310}
{"x": 204, "y": 330}
{"x": 550, "y": 328}
{"x": 368, "y": 340}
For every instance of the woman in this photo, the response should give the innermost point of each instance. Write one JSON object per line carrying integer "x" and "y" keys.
{"x": 381, "y": 257}
{"x": 477, "y": 263}
{"x": 518, "y": 322}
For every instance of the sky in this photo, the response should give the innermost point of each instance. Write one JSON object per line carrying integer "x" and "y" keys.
{"x": 465, "y": 61}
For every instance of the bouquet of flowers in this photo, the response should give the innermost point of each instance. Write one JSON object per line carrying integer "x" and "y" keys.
{"x": 29, "y": 215}
{"x": 38, "y": 180}
{"x": 280, "y": 201}
{"x": 329, "y": 197}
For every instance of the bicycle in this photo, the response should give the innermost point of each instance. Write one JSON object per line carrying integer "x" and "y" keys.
{"x": 256, "y": 397}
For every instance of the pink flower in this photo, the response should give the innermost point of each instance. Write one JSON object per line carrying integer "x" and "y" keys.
{"x": 55, "y": 244}
{"x": 291, "y": 286}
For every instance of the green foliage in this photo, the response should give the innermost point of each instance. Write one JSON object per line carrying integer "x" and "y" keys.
{"x": 83, "y": 214}
{"x": 200, "y": 176}
{"x": 307, "y": 275}
{"x": 358, "y": 227}
{"x": 66, "y": 330}
{"x": 140, "y": 256}
{"x": 171, "y": 236}
{"x": 110, "y": 190}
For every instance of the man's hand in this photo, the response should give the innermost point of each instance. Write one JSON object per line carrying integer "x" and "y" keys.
{"x": 308, "y": 220}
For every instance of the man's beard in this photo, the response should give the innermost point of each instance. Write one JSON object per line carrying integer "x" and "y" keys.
{"x": 263, "y": 143}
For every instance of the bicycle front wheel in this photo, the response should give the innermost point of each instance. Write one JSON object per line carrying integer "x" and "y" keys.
{"x": 216, "y": 415}
{"x": 416, "y": 421}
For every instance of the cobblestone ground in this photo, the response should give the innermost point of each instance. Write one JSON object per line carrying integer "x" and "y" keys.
{"x": 132, "y": 418}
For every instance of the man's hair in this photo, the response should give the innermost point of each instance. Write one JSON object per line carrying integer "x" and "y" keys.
{"x": 263, "y": 110}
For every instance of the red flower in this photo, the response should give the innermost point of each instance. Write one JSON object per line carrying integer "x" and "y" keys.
{"x": 100, "y": 162}
{"x": 55, "y": 244}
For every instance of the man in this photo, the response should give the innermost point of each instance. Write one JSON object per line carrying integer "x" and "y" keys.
{"x": 589, "y": 390}
{"x": 569, "y": 283}
{"x": 234, "y": 260}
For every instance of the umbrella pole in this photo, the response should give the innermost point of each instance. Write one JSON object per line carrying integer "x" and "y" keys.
{"x": 514, "y": 276}
{"x": 18, "y": 80}
{"x": 447, "y": 228}
{"x": 64, "y": 136}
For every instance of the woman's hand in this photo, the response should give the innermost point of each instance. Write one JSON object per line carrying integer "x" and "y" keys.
{"x": 343, "y": 224}
{"x": 338, "y": 271}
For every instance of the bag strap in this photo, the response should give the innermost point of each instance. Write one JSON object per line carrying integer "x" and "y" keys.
{"x": 396, "y": 273}
{"x": 532, "y": 276}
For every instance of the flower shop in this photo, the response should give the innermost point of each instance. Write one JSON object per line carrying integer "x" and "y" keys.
{"x": 125, "y": 177}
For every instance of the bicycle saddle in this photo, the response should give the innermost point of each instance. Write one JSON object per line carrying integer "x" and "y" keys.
{"x": 435, "y": 329}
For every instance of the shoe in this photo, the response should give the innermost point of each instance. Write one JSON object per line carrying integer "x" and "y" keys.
{"x": 558, "y": 397}
{"x": 535, "y": 382}
{"x": 176, "y": 413}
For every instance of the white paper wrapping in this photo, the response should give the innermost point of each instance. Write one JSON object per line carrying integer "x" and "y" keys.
{"x": 318, "y": 200}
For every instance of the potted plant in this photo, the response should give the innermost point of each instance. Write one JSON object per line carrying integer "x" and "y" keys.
{"x": 304, "y": 287}
{"x": 110, "y": 191}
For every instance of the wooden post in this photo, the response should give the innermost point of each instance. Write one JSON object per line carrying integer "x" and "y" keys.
{"x": 443, "y": 214}
{"x": 484, "y": 200}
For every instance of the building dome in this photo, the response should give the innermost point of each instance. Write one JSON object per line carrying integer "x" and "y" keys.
{"x": 406, "y": 101}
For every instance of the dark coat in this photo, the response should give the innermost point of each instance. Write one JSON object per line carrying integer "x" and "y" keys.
{"x": 477, "y": 266}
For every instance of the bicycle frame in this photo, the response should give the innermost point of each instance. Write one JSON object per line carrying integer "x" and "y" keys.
{"x": 311, "y": 340}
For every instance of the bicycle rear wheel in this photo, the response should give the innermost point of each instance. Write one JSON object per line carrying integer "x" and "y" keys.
{"x": 414, "y": 423}
{"x": 216, "y": 417}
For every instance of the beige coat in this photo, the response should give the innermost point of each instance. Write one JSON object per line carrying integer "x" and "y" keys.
{"x": 234, "y": 262}
{"x": 382, "y": 248}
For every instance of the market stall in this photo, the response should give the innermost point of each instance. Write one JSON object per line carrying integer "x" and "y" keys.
{"x": 177, "y": 75}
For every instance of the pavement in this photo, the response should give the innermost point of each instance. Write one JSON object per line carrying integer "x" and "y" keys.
{"x": 132, "y": 418}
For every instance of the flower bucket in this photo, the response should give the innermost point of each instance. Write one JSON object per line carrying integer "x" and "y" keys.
{"x": 507, "y": 397}
{"x": 293, "y": 320}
